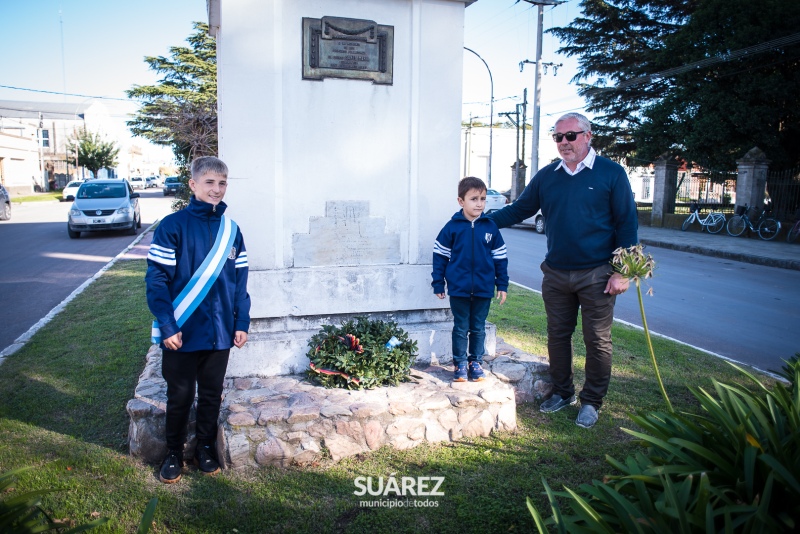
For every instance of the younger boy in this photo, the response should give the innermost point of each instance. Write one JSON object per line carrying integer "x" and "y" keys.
{"x": 470, "y": 255}
{"x": 197, "y": 291}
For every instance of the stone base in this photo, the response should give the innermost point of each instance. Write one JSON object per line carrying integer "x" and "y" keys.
{"x": 284, "y": 420}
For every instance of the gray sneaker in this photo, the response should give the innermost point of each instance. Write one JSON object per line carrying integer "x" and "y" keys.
{"x": 556, "y": 402}
{"x": 587, "y": 416}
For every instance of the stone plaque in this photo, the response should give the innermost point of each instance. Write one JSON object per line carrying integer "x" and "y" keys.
{"x": 335, "y": 47}
{"x": 346, "y": 235}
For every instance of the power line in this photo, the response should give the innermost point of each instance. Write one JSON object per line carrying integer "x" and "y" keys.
{"x": 65, "y": 94}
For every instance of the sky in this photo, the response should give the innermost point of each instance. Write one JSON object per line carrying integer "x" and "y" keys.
{"x": 503, "y": 33}
{"x": 71, "y": 50}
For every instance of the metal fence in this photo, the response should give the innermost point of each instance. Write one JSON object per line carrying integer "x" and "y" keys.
{"x": 713, "y": 193}
{"x": 783, "y": 189}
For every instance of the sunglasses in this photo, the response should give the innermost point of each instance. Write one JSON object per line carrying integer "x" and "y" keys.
{"x": 571, "y": 136}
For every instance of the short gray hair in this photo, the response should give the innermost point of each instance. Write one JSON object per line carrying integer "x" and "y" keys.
{"x": 584, "y": 123}
{"x": 208, "y": 165}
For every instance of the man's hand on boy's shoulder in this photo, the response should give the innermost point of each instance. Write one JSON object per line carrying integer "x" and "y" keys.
{"x": 501, "y": 296}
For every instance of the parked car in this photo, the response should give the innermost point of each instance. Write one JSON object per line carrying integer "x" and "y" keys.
{"x": 537, "y": 221}
{"x": 5, "y": 204}
{"x": 152, "y": 181}
{"x": 494, "y": 201}
{"x": 171, "y": 185}
{"x": 70, "y": 189}
{"x": 137, "y": 182}
{"x": 100, "y": 205}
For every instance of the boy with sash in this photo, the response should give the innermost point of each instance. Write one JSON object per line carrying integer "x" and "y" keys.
{"x": 197, "y": 291}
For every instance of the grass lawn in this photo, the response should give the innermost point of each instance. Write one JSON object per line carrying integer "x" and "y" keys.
{"x": 39, "y": 197}
{"x": 62, "y": 411}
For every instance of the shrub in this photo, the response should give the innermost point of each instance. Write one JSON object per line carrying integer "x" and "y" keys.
{"x": 356, "y": 356}
{"x": 733, "y": 468}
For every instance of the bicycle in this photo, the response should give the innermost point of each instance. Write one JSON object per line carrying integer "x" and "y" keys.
{"x": 766, "y": 227}
{"x": 794, "y": 231}
{"x": 714, "y": 222}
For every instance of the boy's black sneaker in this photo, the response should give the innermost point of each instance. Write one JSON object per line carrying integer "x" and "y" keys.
{"x": 171, "y": 467}
{"x": 206, "y": 459}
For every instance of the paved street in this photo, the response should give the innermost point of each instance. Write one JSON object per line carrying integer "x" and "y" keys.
{"x": 40, "y": 265}
{"x": 737, "y": 309}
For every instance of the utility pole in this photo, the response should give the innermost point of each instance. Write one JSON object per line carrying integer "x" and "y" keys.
{"x": 516, "y": 189}
{"x": 537, "y": 87}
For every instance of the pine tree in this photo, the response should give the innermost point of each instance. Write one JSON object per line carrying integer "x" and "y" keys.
{"x": 181, "y": 110}
{"x": 670, "y": 76}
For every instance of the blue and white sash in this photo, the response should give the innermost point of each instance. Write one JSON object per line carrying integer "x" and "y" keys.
{"x": 204, "y": 277}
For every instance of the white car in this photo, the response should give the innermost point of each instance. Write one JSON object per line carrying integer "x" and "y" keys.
{"x": 70, "y": 189}
{"x": 152, "y": 181}
{"x": 537, "y": 221}
{"x": 494, "y": 201}
{"x": 137, "y": 182}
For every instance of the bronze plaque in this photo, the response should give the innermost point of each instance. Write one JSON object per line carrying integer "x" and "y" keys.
{"x": 335, "y": 47}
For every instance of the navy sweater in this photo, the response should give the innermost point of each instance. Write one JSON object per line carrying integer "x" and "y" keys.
{"x": 471, "y": 257}
{"x": 180, "y": 244}
{"x": 588, "y": 215}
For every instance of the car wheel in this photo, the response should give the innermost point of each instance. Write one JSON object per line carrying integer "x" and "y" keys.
{"x": 72, "y": 234}
{"x": 5, "y": 213}
{"x": 139, "y": 222}
{"x": 132, "y": 229}
{"x": 539, "y": 224}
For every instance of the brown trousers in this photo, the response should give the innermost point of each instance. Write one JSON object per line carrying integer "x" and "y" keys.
{"x": 564, "y": 292}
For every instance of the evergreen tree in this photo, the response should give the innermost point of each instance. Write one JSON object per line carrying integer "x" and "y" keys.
{"x": 673, "y": 76}
{"x": 181, "y": 110}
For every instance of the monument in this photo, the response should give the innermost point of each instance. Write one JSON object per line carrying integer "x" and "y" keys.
{"x": 339, "y": 122}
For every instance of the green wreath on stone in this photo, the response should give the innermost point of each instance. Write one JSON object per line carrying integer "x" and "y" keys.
{"x": 357, "y": 355}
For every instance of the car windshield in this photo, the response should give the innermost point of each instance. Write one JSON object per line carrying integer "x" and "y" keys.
{"x": 171, "y": 180}
{"x": 102, "y": 191}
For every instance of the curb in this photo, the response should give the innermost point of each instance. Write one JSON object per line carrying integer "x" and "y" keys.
{"x": 24, "y": 338}
{"x": 737, "y": 256}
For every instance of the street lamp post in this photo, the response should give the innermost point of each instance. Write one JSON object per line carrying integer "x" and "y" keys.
{"x": 491, "y": 114}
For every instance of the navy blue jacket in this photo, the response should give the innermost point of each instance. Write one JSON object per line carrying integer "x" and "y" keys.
{"x": 180, "y": 244}
{"x": 471, "y": 257}
{"x": 589, "y": 215}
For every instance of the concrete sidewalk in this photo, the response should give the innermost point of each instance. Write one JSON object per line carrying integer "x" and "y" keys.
{"x": 775, "y": 253}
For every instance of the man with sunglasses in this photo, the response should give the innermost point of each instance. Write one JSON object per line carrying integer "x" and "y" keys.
{"x": 588, "y": 204}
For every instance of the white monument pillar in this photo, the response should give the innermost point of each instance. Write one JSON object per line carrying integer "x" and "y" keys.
{"x": 340, "y": 123}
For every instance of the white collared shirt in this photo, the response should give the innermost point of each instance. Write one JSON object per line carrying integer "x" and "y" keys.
{"x": 587, "y": 162}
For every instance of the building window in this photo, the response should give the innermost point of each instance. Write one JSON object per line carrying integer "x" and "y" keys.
{"x": 45, "y": 138}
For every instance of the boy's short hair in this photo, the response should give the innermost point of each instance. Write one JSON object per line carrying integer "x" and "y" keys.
{"x": 470, "y": 182}
{"x": 208, "y": 164}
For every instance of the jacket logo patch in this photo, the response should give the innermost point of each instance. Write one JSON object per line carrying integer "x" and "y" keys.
{"x": 232, "y": 255}
{"x": 488, "y": 238}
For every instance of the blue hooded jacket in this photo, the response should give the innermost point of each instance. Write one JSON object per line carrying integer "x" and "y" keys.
{"x": 180, "y": 244}
{"x": 471, "y": 257}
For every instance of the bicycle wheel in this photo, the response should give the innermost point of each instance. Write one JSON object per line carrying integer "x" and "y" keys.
{"x": 769, "y": 229}
{"x": 736, "y": 226}
{"x": 687, "y": 223}
{"x": 794, "y": 231}
{"x": 717, "y": 223}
